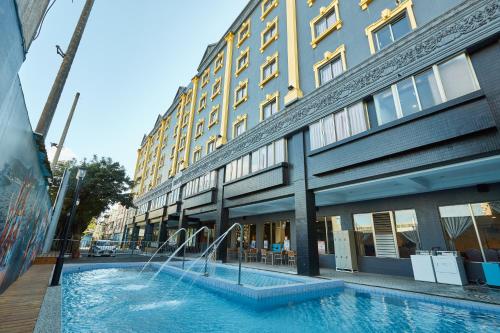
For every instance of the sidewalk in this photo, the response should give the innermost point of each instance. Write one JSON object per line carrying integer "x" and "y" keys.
{"x": 470, "y": 292}
{"x": 20, "y": 303}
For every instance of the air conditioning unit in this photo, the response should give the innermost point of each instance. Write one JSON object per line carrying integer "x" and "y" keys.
{"x": 345, "y": 251}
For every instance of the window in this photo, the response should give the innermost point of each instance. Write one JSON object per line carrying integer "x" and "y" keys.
{"x": 196, "y": 154}
{"x": 332, "y": 65}
{"x": 182, "y": 143}
{"x": 390, "y": 234}
{"x": 269, "y": 34}
{"x": 442, "y": 82}
{"x": 244, "y": 32}
{"x": 242, "y": 62}
{"x": 237, "y": 168}
{"x": 213, "y": 117}
{"x": 393, "y": 25}
{"x": 269, "y": 70}
{"x": 241, "y": 93}
{"x": 325, "y": 227}
{"x": 205, "y": 78}
{"x": 176, "y": 127}
{"x": 473, "y": 229}
{"x": 267, "y": 6}
{"x": 269, "y": 106}
{"x": 203, "y": 102}
{"x": 185, "y": 119}
{"x": 269, "y": 155}
{"x": 199, "y": 128}
{"x": 219, "y": 62}
{"x": 338, "y": 126}
{"x": 216, "y": 88}
{"x": 159, "y": 202}
{"x": 326, "y": 22}
{"x": 174, "y": 196}
{"x": 211, "y": 144}
{"x": 200, "y": 184}
{"x": 239, "y": 125}
{"x": 189, "y": 96}
{"x": 391, "y": 32}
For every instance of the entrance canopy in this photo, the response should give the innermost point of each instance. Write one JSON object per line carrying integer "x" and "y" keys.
{"x": 470, "y": 173}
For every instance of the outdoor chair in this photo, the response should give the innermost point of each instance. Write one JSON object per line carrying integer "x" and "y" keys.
{"x": 263, "y": 256}
{"x": 252, "y": 255}
{"x": 291, "y": 258}
{"x": 278, "y": 256}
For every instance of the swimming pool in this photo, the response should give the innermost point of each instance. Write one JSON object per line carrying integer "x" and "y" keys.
{"x": 119, "y": 300}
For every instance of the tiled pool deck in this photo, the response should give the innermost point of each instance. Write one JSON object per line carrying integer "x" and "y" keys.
{"x": 471, "y": 292}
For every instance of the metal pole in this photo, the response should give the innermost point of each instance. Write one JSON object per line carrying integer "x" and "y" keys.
{"x": 240, "y": 254}
{"x": 65, "y": 131}
{"x": 67, "y": 228}
{"x": 60, "y": 80}
{"x": 474, "y": 222}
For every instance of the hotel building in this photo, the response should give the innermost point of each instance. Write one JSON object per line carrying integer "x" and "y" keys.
{"x": 313, "y": 116}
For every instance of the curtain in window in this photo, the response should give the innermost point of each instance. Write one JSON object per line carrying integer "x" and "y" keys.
{"x": 262, "y": 158}
{"x": 279, "y": 151}
{"x": 320, "y": 27}
{"x": 341, "y": 125}
{"x": 213, "y": 178}
{"x": 315, "y": 135}
{"x": 228, "y": 172}
{"x": 246, "y": 165}
{"x": 357, "y": 118}
{"x": 455, "y": 226}
{"x": 329, "y": 130}
{"x": 412, "y": 236}
{"x": 270, "y": 154}
{"x": 326, "y": 74}
{"x": 495, "y": 206}
{"x": 255, "y": 161}
{"x": 337, "y": 68}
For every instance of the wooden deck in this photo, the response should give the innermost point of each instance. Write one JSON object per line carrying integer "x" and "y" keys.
{"x": 20, "y": 303}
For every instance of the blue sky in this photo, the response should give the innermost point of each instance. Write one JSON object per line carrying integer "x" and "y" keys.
{"x": 132, "y": 58}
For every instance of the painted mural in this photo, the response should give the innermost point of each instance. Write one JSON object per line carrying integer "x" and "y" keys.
{"x": 24, "y": 199}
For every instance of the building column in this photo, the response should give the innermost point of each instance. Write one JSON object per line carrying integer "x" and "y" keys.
{"x": 294, "y": 91}
{"x": 191, "y": 121}
{"x": 222, "y": 219}
{"x": 259, "y": 239}
{"x": 163, "y": 232}
{"x": 173, "y": 167}
{"x": 305, "y": 213}
{"x": 226, "y": 93}
{"x": 144, "y": 167}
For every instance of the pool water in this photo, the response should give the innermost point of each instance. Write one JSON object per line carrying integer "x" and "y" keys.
{"x": 248, "y": 277}
{"x": 118, "y": 300}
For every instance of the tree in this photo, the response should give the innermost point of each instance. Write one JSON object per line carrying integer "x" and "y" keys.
{"x": 105, "y": 183}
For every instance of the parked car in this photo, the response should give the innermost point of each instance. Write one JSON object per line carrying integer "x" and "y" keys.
{"x": 102, "y": 248}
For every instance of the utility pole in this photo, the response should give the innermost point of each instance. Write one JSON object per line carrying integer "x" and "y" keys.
{"x": 58, "y": 85}
{"x": 65, "y": 131}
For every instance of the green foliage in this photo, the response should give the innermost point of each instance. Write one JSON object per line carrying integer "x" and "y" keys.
{"x": 104, "y": 184}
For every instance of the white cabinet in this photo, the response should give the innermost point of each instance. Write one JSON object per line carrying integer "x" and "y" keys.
{"x": 449, "y": 269}
{"x": 423, "y": 270}
{"x": 345, "y": 250}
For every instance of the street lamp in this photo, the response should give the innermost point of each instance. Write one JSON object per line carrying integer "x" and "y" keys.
{"x": 67, "y": 227}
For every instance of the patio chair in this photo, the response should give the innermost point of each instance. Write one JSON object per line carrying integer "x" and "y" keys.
{"x": 291, "y": 258}
{"x": 278, "y": 256}
{"x": 263, "y": 256}
{"x": 252, "y": 255}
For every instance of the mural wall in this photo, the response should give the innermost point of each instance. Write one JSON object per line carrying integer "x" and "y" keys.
{"x": 24, "y": 199}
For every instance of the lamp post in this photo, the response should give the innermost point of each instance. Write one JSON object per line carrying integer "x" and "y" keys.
{"x": 60, "y": 260}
